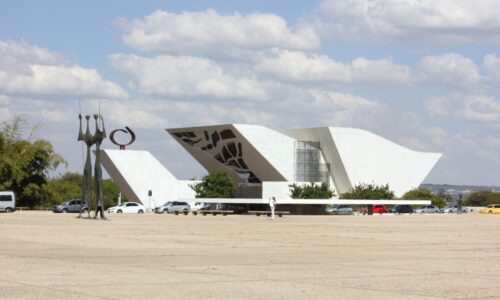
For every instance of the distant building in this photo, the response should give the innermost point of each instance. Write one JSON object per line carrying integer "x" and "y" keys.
{"x": 264, "y": 161}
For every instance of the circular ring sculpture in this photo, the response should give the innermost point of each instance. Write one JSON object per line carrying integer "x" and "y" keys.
{"x": 126, "y": 130}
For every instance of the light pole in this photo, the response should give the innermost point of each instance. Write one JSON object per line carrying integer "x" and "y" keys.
{"x": 459, "y": 204}
{"x": 150, "y": 193}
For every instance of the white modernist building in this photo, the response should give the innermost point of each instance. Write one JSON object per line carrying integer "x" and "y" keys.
{"x": 264, "y": 162}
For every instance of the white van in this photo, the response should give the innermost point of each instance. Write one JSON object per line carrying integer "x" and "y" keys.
{"x": 7, "y": 201}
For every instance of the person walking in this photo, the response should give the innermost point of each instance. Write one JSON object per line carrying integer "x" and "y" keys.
{"x": 272, "y": 205}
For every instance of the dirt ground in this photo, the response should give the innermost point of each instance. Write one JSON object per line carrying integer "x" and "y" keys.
{"x": 56, "y": 256}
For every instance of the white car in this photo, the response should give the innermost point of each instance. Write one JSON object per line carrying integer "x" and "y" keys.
{"x": 128, "y": 208}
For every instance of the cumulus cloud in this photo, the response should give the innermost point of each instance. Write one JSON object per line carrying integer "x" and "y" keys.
{"x": 296, "y": 66}
{"x": 491, "y": 65}
{"x": 299, "y": 66}
{"x": 210, "y": 32}
{"x": 442, "y": 21}
{"x": 481, "y": 108}
{"x": 137, "y": 114}
{"x": 335, "y": 100}
{"x": 167, "y": 75}
{"x": 382, "y": 71}
{"x": 450, "y": 69}
{"x": 28, "y": 70}
{"x": 467, "y": 107}
{"x": 438, "y": 106}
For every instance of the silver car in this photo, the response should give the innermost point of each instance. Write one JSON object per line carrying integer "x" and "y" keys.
{"x": 427, "y": 209}
{"x": 172, "y": 206}
{"x": 452, "y": 209}
{"x": 339, "y": 209}
{"x": 71, "y": 206}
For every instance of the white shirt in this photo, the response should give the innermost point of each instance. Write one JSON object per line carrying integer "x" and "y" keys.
{"x": 272, "y": 203}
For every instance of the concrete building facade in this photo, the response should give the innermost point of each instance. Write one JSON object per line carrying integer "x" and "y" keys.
{"x": 265, "y": 161}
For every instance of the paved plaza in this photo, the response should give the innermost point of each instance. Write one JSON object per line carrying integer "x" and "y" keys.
{"x": 56, "y": 256}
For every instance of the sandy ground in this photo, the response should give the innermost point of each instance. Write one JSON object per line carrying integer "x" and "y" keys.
{"x": 56, "y": 256}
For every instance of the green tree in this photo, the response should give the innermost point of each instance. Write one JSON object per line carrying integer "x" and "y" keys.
{"x": 69, "y": 186}
{"x": 369, "y": 191}
{"x": 482, "y": 198}
{"x": 312, "y": 191}
{"x": 62, "y": 188}
{"x": 111, "y": 191}
{"x": 216, "y": 184}
{"x": 425, "y": 194}
{"x": 25, "y": 163}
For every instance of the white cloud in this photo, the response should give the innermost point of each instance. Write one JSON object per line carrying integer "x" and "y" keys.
{"x": 481, "y": 108}
{"x": 28, "y": 70}
{"x": 382, "y": 71}
{"x": 450, "y": 69}
{"x": 55, "y": 115}
{"x": 298, "y": 66}
{"x": 211, "y": 32}
{"x": 189, "y": 114}
{"x": 167, "y": 75}
{"x": 136, "y": 114}
{"x": 491, "y": 65}
{"x": 441, "y": 21}
{"x": 438, "y": 106}
{"x": 334, "y": 101}
{"x": 468, "y": 107}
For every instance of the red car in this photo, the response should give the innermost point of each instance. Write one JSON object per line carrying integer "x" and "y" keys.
{"x": 379, "y": 209}
{"x": 376, "y": 209}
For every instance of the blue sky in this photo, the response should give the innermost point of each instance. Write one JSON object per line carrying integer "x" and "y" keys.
{"x": 424, "y": 74}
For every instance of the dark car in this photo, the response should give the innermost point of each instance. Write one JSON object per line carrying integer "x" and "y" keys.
{"x": 236, "y": 208}
{"x": 71, "y": 206}
{"x": 401, "y": 209}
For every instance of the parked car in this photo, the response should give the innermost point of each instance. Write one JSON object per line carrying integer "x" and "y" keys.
{"x": 427, "y": 209}
{"x": 128, "y": 208}
{"x": 7, "y": 201}
{"x": 451, "y": 209}
{"x": 199, "y": 206}
{"x": 339, "y": 209}
{"x": 491, "y": 209}
{"x": 379, "y": 209}
{"x": 401, "y": 209}
{"x": 172, "y": 206}
{"x": 376, "y": 209}
{"x": 71, "y": 206}
{"x": 236, "y": 208}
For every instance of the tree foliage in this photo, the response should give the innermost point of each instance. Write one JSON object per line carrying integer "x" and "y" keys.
{"x": 312, "y": 191}
{"x": 369, "y": 191}
{"x": 69, "y": 186}
{"x": 216, "y": 184}
{"x": 25, "y": 163}
{"x": 482, "y": 198}
{"x": 438, "y": 200}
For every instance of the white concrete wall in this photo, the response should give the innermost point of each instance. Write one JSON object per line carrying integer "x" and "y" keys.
{"x": 137, "y": 172}
{"x": 278, "y": 189}
{"x": 369, "y": 158}
{"x": 277, "y": 148}
{"x": 360, "y": 157}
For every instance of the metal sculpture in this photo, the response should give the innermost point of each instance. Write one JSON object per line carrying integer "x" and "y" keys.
{"x": 99, "y": 136}
{"x": 90, "y": 140}
{"x": 126, "y": 130}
